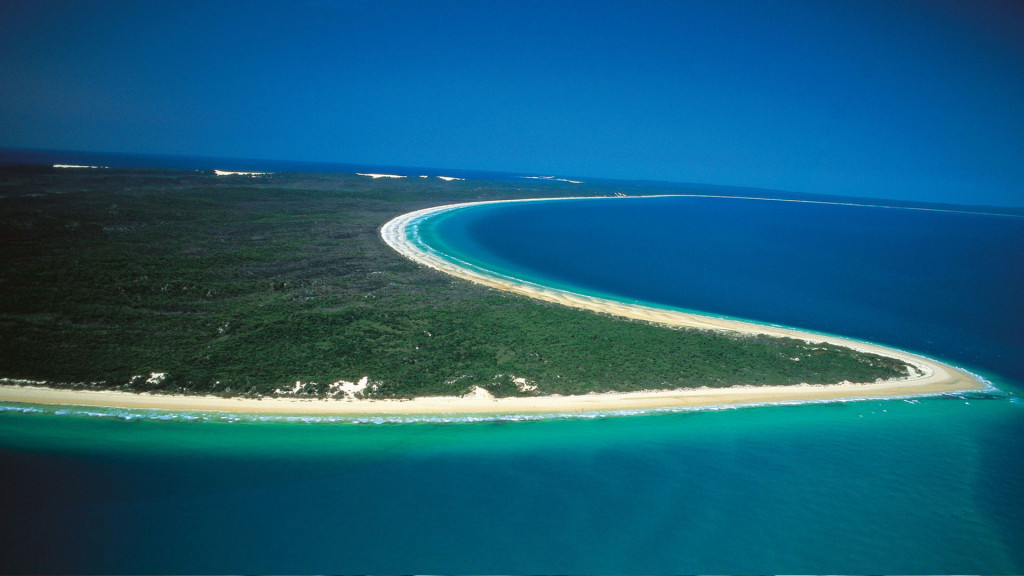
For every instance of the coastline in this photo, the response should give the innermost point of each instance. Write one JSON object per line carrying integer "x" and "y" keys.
{"x": 471, "y": 404}
{"x": 929, "y": 378}
{"x": 932, "y": 376}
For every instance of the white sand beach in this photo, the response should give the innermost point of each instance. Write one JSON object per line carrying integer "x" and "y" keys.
{"x": 482, "y": 403}
{"x": 375, "y": 176}
{"x": 230, "y": 173}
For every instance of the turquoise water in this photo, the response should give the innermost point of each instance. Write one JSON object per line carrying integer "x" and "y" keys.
{"x": 896, "y": 486}
{"x": 930, "y": 485}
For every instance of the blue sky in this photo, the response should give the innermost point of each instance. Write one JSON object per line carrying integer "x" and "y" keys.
{"x": 910, "y": 100}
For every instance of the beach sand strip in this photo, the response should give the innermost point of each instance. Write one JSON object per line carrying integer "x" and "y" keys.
{"x": 930, "y": 376}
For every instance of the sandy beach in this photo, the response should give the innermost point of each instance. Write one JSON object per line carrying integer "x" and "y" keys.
{"x": 943, "y": 382}
{"x": 928, "y": 376}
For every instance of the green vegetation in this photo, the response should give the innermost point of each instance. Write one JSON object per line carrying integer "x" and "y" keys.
{"x": 240, "y": 286}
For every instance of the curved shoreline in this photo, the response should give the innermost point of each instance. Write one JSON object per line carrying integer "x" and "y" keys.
{"x": 932, "y": 378}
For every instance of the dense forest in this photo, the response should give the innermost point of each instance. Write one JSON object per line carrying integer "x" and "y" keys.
{"x": 188, "y": 282}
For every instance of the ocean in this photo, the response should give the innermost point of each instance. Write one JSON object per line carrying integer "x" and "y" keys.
{"x": 929, "y": 485}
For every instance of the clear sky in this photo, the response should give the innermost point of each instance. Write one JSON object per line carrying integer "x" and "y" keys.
{"x": 897, "y": 99}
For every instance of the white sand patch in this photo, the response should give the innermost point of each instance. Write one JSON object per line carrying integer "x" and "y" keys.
{"x": 22, "y": 382}
{"x": 553, "y": 179}
{"x": 524, "y": 385}
{"x": 375, "y": 176}
{"x": 479, "y": 393}
{"x": 153, "y": 379}
{"x": 449, "y": 178}
{"x": 249, "y": 174}
{"x": 299, "y": 386}
{"x": 348, "y": 389}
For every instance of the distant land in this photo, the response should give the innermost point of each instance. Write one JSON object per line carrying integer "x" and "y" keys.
{"x": 569, "y": 183}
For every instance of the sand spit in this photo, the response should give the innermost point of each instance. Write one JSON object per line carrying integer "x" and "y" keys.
{"x": 926, "y": 377}
{"x": 929, "y": 375}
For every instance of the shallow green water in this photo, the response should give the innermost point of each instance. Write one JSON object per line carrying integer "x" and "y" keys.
{"x": 895, "y": 486}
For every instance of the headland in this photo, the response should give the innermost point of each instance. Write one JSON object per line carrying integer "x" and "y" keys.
{"x": 925, "y": 376}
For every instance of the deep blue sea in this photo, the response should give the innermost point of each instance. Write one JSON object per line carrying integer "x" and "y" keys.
{"x": 932, "y": 485}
